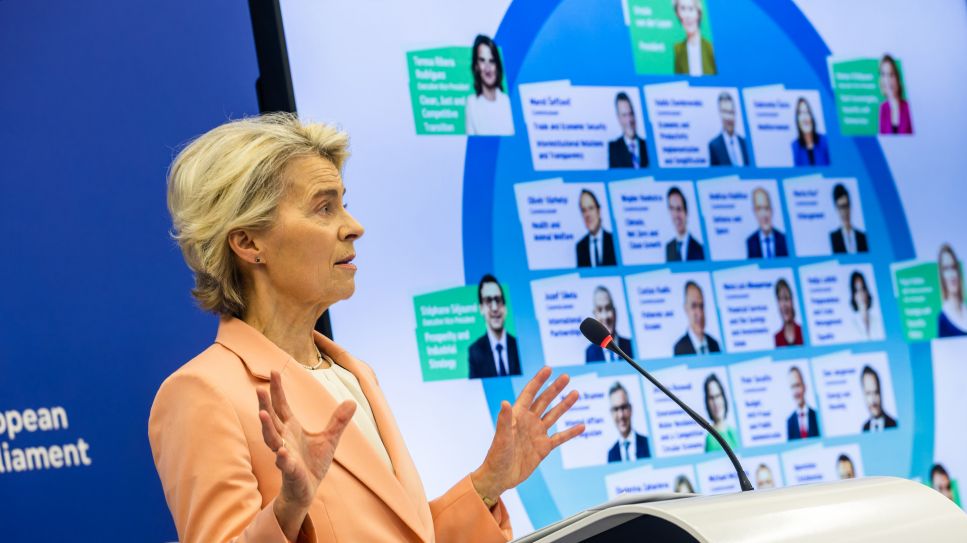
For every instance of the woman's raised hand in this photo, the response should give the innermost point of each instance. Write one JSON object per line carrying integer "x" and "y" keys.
{"x": 521, "y": 441}
{"x": 303, "y": 458}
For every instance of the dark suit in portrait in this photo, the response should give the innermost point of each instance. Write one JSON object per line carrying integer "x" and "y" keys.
{"x": 681, "y": 58}
{"x": 888, "y": 422}
{"x": 838, "y": 241}
{"x": 619, "y": 156}
{"x": 481, "y": 358}
{"x": 684, "y": 345}
{"x": 641, "y": 449}
{"x": 753, "y": 245}
{"x": 718, "y": 154}
{"x": 693, "y": 251}
{"x": 607, "y": 250}
{"x": 595, "y": 353}
{"x": 792, "y": 425}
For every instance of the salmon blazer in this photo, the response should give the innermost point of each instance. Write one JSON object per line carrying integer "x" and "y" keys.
{"x": 220, "y": 478}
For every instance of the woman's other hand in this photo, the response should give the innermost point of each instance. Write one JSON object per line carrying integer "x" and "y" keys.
{"x": 521, "y": 441}
{"x": 303, "y": 458}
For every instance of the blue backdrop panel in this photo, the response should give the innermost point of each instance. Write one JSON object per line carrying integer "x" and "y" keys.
{"x": 96, "y": 309}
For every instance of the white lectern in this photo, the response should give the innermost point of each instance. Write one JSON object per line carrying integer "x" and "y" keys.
{"x": 874, "y": 509}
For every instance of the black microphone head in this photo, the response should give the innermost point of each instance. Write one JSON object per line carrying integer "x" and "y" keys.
{"x": 596, "y": 332}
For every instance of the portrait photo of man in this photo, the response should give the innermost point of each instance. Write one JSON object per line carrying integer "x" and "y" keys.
{"x": 605, "y": 313}
{"x": 767, "y": 241}
{"x": 596, "y": 248}
{"x": 803, "y": 422}
{"x": 878, "y": 420}
{"x": 695, "y": 340}
{"x": 494, "y": 354}
{"x": 630, "y": 445}
{"x": 728, "y": 148}
{"x": 683, "y": 246}
{"x": 846, "y": 239}
{"x": 627, "y": 150}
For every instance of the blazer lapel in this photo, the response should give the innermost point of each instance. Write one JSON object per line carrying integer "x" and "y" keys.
{"x": 312, "y": 405}
{"x": 406, "y": 478}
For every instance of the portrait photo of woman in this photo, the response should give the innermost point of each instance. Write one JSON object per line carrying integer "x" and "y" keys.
{"x": 693, "y": 55}
{"x": 717, "y": 407}
{"x": 894, "y": 110}
{"x": 866, "y": 321}
{"x": 952, "y": 320}
{"x": 487, "y": 110}
{"x": 791, "y": 332}
{"x": 810, "y": 147}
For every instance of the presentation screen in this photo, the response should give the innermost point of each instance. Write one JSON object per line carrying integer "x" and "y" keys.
{"x": 761, "y": 199}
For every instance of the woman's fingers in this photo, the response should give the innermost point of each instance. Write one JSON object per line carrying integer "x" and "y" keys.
{"x": 555, "y": 413}
{"x": 549, "y": 394}
{"x": 270, "y": 435}
{"x": 339, "y": 421}
{"x": 286, "y": 464}
{"x": 279, "y": 402}
{"x": 265, "y": 404}
{"x": 505, "y": 418}
{"x": 530, "y": 389}
{"x": 566, "y": 435}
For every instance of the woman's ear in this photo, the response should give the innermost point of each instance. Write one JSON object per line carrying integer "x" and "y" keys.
{"x": 245, "y": 246}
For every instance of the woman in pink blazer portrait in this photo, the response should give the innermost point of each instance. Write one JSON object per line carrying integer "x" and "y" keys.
{"x": 894, "y": 111}
{"x": 275, "y": 433}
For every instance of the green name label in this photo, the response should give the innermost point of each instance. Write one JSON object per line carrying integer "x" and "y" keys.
{"x": 918, "y": 295}
{"x": 447, "y": 323}
{"x": 440, "y": 82}
{"x": 856, "y": 86}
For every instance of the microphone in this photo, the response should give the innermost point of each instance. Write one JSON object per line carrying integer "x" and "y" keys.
{"x": 598, "y": 334}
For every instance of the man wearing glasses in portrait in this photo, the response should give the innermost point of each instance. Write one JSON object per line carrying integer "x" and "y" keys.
{"x": 493, "y": 354}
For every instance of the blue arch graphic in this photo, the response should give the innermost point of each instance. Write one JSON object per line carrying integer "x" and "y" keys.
{"x": 484, "y": 200}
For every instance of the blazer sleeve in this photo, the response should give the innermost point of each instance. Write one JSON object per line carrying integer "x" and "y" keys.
{"x": 460, "y": 512}
{"x": 203, "y": 461}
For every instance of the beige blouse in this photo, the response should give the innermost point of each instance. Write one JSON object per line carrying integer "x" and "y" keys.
{"x": 343, "y": 386}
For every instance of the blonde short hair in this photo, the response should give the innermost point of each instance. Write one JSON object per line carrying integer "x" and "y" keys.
{"x": 698, "y": 7}
{"x": 231, "y": 178}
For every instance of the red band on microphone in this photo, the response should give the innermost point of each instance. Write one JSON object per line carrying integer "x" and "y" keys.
{"x": 604, "y": 344}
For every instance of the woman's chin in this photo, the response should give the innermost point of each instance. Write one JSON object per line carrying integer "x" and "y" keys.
{"x": 344, "y": 291}
{"x": 348, "y": 291}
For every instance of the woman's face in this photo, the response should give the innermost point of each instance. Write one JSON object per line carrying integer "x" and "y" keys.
{"x": 950, "y": 274}
{"x": 804, "y": 119}
{"x": 688, "y": 15}
{"x": 786, "y": 309}
{"x": 889, "y": 85}
{"x": 716, "y": 401}
{"x": 487, "y": 66}
{"x": 861, "y": 296}
{"x": 308, "y": 251}
{"x": 941, "y": 483}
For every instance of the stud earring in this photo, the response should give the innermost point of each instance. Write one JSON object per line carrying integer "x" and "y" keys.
{"x": 258, "y": 260}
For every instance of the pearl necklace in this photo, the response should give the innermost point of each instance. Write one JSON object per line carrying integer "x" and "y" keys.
{"x": 318, "y": 363}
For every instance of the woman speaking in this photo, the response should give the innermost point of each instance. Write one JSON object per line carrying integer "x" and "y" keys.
{"x": 274, "y": 432}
